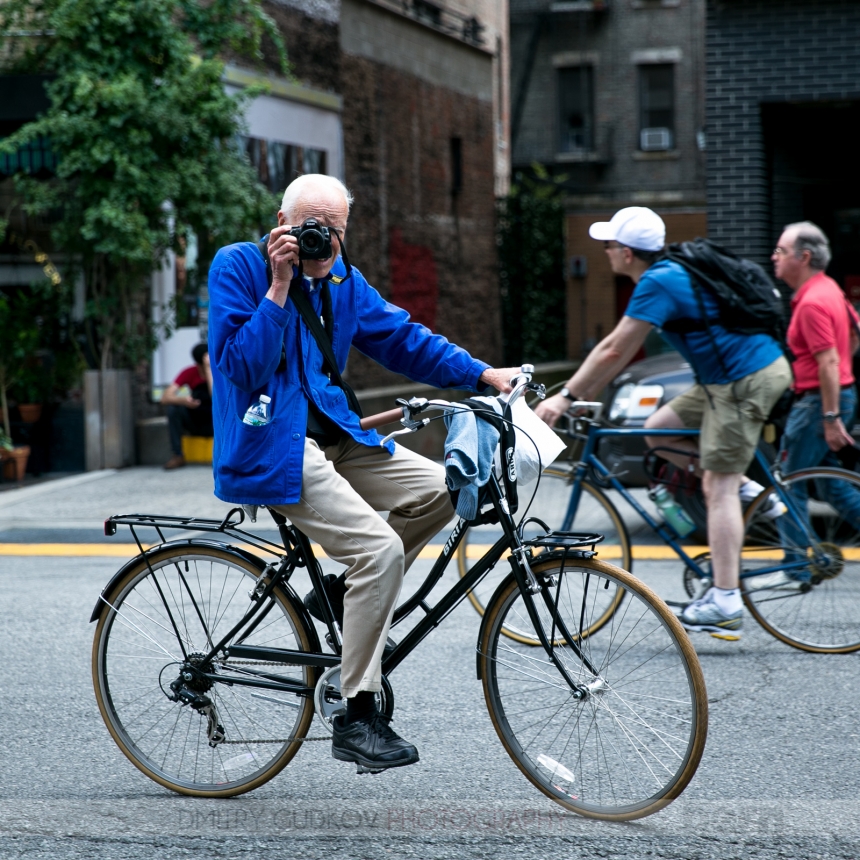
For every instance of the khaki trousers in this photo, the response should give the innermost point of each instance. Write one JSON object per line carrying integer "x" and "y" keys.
{"x": 343, "y": 487}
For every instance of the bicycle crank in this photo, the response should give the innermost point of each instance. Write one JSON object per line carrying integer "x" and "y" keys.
{"x": 328, "y": 702}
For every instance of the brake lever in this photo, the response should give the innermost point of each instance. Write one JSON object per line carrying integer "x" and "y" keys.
{"x": 412, "y": 426}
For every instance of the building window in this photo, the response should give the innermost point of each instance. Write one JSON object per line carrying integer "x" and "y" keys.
{"x": 278, "y": 164}
{"x": 36, "y": 158}
{"x": 427, "y": 12}
{"x": 657, "y": 107}
{"x": 456, "y": 165}
{"x": 576, "y": 109}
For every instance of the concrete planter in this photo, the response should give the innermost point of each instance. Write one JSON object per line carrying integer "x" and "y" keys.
{"x": 108, "y": 419}
{"x": 14, "y": 462}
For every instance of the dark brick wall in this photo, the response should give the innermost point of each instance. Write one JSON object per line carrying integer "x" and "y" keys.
{"x": 759, "y": 52}
{"x": 424, "y": 247}
{"x": 313, "y": 48}
{"x": 397, "y": 131}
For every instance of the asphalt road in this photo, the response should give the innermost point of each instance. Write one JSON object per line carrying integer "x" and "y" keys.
{"x": 779, "y": 777}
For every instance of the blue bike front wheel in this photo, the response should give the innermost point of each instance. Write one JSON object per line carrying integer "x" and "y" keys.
{"x": 595, "y": 514}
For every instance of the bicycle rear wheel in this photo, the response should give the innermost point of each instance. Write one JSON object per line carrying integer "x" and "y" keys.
{"x": 204, "y": 591}
{"x": 813, "y": 606}
{"x": 633, "y": 742}
{"x": 596, "y": 514}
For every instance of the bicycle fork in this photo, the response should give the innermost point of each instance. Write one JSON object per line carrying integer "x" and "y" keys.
{"x": 525, "y": 577}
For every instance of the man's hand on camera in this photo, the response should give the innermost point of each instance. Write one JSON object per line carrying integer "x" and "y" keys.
{"x": 499, "y": 377}
{"x": 551, "y": 409}
{"x": 283, "y": 255}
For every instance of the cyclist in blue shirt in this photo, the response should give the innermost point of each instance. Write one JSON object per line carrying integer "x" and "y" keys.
{"x": 311, "y": 461}
{"x": 739, "y": 379}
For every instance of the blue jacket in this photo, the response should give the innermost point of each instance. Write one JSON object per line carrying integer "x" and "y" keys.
{"x": 263, "y": 465}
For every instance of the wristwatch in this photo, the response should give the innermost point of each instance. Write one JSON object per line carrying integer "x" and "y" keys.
{"x": 830, "y": 417}
{"x": 565, "y": 392}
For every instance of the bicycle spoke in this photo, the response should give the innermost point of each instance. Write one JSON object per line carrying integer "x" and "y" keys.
{"x": 622, "y": 740}
{"x": 136, "y": 664}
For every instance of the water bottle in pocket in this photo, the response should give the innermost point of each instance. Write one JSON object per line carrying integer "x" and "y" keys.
{"x": 259, "y": 413}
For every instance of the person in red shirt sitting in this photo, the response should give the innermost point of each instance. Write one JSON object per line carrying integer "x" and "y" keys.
{"x": 191, "y": 414}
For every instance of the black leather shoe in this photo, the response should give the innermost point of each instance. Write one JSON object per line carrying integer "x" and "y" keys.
{"x": 371, "y": 744}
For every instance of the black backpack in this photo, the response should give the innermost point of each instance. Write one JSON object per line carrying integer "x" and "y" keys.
{"x": 748, "y": 301}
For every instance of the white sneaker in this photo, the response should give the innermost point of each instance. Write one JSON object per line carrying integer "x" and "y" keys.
{"x": 770, "y": 509}
{"x": 703, "y": 615}
{"x": 778, "y": 580}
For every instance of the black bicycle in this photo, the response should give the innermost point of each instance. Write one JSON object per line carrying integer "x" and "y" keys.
{"x": 208, "y": 670}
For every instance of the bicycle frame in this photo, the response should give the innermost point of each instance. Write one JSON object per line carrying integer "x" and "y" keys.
{"x": 590, "y": 460}
{"x": 299, "y": 553}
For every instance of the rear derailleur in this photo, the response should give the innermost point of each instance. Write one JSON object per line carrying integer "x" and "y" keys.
{"x": 190, "y": 689}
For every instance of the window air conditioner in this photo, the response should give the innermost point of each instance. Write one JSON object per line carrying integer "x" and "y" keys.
{"x": 655, "y": 139}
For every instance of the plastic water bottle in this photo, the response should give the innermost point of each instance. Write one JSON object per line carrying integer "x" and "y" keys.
{"x": 677, "y": 518}
{"x": 258, "y": 414}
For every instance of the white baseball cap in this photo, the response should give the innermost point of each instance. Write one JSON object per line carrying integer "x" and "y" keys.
{"x": 636, "y": 227}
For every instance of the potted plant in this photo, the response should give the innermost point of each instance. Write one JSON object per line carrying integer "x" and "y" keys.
{"x": 32, "y": 388}
{"x": 20, "y": 327}
{"x": 13, "y": 458}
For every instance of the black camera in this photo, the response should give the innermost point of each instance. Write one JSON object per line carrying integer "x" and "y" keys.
{"x": 314, "y": 240}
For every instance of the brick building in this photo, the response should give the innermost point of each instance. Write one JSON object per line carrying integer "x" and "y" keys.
{"x": 422, "y": 106}
{"x": 610, "y": 95}
{"x": 783, "y": 109}
{"x": 406, "y": 101}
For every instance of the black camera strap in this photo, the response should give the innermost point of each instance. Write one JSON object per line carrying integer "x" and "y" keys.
{"x": 320, "y": 334}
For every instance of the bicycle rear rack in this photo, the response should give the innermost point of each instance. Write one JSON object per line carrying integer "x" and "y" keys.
{"x": 227, "y": 526}
{"x": 574, "y": 544}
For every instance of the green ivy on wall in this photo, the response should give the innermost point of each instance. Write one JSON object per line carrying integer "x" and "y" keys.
{"x": 531, "y": 269}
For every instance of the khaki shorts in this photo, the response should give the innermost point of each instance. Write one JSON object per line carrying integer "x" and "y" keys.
{"x": 732, "y": 426}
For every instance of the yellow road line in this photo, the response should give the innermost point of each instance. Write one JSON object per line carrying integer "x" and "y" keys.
{"x": 129, "y": 550}
{"x": 430, "y": 552}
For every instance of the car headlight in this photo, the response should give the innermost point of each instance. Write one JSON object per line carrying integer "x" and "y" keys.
{"x": 635, "y": 401}
{"x": 621, "y": 401}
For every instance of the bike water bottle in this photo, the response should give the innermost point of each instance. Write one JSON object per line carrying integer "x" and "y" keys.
{"x": 258, "y": 414}
{"x": 676, "y": 517}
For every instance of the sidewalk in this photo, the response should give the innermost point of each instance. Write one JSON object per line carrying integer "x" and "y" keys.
{"x": 73, "y": 510}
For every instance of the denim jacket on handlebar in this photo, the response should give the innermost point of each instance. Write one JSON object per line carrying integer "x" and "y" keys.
{"x": 262, "y": 465}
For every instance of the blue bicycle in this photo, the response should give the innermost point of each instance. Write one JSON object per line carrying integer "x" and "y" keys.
{"x": 800, "y": 565}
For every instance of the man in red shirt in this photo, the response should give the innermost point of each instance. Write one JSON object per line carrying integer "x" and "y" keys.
{"x": 823, "y": 337}
{"x": 190, "y": 414}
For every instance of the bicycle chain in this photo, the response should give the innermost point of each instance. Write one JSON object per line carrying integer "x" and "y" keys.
{"x": 274, "y": 740}
{"x": 256, "y": 663}
{"x": 278, "y": 740}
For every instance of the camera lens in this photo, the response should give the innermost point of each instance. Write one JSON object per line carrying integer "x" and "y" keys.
{"x": 312, "y": 241}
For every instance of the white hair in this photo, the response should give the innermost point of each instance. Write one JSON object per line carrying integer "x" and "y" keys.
{"x": 303, "y": 187}
{"x": 810, "y": 237}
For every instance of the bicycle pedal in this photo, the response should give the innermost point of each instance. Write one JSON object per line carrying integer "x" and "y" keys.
{"x": 360, "y": 768}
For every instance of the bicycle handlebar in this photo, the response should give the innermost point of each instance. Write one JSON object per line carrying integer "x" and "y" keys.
{"x": 392, "y": 416}
{"x": 407, "y": 410}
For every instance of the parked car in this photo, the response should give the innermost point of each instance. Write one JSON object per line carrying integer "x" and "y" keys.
{"x": 635, "y": 394}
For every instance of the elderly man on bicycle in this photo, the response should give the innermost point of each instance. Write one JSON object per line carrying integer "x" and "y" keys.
{"x": 305, "y": 454}
{"x": 740, "y": 377}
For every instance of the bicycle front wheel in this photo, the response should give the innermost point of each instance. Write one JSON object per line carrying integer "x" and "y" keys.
{"x": 192, "y": 596}
{"x": 803, "y": 585}
{"x": 629, "y": 738}
{"x": 595, "y": 514}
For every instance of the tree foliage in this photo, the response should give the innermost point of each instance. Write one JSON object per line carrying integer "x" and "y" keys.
{"x": 146, "y": 140}
{"x": 531, "y": 263}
